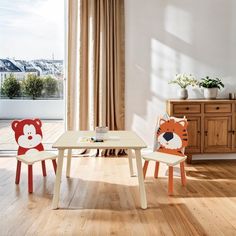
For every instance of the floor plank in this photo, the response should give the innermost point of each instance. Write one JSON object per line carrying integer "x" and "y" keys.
{"x": 101, "y": 199}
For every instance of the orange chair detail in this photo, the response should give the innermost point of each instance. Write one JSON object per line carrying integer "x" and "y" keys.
{"x": 172, "y": 139}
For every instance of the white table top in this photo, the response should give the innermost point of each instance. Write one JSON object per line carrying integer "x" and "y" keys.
{"x": 115, "y": 140}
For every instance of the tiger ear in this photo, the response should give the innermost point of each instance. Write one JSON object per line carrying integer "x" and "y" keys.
{"x": 184, "y": 123}
{"x": 161, "y": 121}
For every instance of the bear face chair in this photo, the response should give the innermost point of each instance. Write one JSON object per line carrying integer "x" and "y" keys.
{"x": 171, "y": 140}
{"x": 28, "y": 135}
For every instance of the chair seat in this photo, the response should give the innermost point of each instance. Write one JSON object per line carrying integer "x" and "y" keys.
{"x": 169, "y": 159}
{"x": 35, "y": 157}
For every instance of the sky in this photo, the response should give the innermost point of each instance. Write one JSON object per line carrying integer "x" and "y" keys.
{"x": 32, "y": 29}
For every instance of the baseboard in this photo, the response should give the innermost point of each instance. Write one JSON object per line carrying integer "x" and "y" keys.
{"x": 228, "y": 156}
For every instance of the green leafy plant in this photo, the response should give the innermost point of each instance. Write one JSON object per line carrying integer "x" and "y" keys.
{"x": 50, "y": 86}
{"x": 211, "y": 83}
{"x": 33, "y": 86}
{"x": 184, "y": 80}
{"x": 11, "y": 87}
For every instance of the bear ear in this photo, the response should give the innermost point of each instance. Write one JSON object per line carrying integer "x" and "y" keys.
{"x": 184, "y": 123}
{"x": 38, "y": 122}
{"x": 14, "y": 124}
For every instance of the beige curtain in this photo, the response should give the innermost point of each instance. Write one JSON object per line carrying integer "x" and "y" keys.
{"x": 95, "y": 65}
{"x": 101, "y": 91}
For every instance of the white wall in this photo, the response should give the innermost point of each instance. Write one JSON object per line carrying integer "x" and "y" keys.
{"x": 21, "y": 109}
{"x": 165, "y": 37}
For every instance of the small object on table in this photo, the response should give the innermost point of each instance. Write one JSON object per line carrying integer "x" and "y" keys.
{"x": 231, "y": 96}
{"x": 101, "y": 133}
{"x": 96, "y": 140}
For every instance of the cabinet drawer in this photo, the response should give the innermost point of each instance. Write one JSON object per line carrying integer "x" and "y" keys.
{"x": 215, "y": 108}
{"x": 187, "y": 108}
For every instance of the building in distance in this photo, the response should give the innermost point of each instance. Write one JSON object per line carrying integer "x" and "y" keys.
{"x": 21, "y": 68}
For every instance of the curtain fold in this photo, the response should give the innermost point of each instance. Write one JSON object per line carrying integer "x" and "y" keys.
{"x": 85, "y": 12}
{"x": 71, "y": 65}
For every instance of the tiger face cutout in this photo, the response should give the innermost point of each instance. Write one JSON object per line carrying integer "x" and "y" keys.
{"x": 172, "y": 136}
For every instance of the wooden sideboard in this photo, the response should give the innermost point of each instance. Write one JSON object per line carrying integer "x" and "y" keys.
{"x": 211, "y": 124}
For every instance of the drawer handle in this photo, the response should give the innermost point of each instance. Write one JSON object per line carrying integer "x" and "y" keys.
{"x": 232, "y": 131}
{"x": 206, "y": 133}
{"x": 198, "y": 131}
{"x": 187, "y": 108}
{"x": 217, "y": 108}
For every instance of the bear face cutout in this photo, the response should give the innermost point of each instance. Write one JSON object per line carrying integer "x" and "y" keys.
{"x": 29, "y": 138}
{"x": 28, "y": 135}
{"x": 172, "y": 136}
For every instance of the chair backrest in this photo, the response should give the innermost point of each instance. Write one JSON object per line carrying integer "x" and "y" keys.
{"x": 172, "y": 136}
{"x": 28, "y": 135}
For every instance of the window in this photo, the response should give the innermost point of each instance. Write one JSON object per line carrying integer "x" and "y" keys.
{"x": 32, "y": 49}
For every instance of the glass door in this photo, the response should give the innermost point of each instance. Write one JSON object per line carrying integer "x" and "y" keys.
{"x": 31, "y": 68}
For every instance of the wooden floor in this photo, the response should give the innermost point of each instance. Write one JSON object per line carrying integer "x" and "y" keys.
{"x": 101, "y": 199}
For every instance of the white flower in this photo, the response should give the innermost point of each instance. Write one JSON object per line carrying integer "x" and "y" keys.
{"x": 184, "y": 80}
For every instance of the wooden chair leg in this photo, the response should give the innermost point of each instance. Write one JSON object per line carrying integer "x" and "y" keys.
{"x": 44, "y": 168}
{"x": 145, "y": 168}
{"x": 54, "y": 162}
{"x": 170, "y": 184}
{"x": 156, "y": 169}
{"x": 182, "y": 172}
{"x": 30, "y": 178}
{"x": 18, "y": 170}
{"x": 189, "y": 159}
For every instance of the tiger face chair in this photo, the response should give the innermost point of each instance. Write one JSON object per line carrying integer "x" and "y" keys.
{"x": 171, "y": 140}
{"x": 172, "y": 136}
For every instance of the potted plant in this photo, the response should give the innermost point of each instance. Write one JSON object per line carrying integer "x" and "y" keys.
{"x": 33, "y": 86}
{"x": 11, "y": 87}
{"x": 211, "y": 87}
{"x": 50, "y": 86}
{"x": 184, "y": 80}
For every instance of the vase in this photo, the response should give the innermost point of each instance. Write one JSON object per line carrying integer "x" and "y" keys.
{"x": 183, "y": 93}
{"x": 210, "y": 93}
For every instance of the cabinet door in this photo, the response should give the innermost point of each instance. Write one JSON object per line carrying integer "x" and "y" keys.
{"x": 194, "y": 135}
{"x": 218, "y": 136}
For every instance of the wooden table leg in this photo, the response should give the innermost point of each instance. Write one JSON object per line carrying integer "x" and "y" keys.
{"x": 57, "y": 185}
{"x": 130, "y": 157}
{"x": 68, "y": 165}
{"x": 142, "y": 191}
